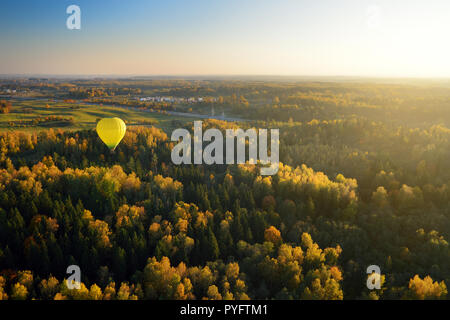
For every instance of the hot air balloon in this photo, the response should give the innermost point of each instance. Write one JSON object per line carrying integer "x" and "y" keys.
{"x": 111, "y": 131}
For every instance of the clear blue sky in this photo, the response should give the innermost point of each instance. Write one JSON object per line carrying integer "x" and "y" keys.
{"x": 271, "y": 37}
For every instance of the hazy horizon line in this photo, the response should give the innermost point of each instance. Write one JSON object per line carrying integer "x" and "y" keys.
{"x": 212, "y": 75}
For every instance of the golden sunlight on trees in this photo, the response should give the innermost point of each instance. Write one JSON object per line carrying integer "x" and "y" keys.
{"x": 273, "y": 235}
{"x": 424, "y": 289}
{"x": 352, "y": 187}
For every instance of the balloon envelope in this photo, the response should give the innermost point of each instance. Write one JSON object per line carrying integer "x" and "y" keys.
{"x": 111, "y": 131}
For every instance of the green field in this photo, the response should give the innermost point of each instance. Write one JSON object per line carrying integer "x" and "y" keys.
{"x": 30, "y": 115}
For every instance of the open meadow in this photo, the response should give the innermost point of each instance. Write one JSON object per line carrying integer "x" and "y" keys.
{"x": 41, "y": 114}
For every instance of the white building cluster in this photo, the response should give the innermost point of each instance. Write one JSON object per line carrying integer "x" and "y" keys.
{"x": 175, "y": 99}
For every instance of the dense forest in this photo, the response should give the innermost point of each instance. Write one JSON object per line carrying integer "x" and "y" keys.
{"x": 364, "y": 180}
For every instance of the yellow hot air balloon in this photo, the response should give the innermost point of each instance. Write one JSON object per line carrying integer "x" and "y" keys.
{"x": 111, "y": 131}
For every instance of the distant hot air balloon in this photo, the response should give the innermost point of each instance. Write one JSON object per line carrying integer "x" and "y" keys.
{"x": 111, "y": 131}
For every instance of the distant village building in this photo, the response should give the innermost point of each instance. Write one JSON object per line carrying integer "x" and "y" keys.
{"x": 175, "y": 99}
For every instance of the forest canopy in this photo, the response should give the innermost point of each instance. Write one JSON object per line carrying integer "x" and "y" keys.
{"x": 362, "y": 181}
